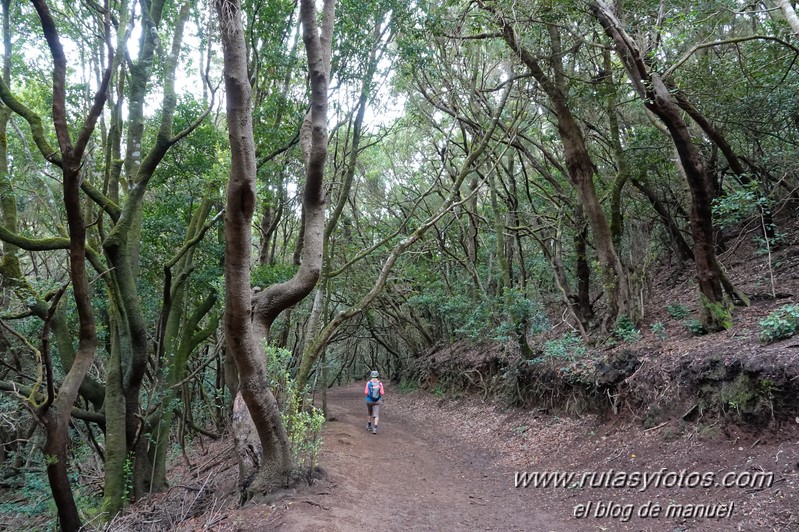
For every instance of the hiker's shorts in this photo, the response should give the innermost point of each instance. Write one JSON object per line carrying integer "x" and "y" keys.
{"x": 374, "y": 408}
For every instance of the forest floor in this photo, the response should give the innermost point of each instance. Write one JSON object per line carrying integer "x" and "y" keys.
{"x": 447, "y": 463}
{"x": 450, "y": 465}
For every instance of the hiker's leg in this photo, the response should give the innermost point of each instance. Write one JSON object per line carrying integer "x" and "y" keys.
{"x": 376, "y": 411}
{"x": 369, "y": 412}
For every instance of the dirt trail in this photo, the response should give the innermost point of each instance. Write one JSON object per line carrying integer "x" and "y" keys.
{"x": 402, "y": 479}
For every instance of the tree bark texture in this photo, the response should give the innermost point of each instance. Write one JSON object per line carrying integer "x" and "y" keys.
{"x": 56, "y": 414}
{"x": 580, "y": 167}
{"x": 269, "y": 303}
{"x": 275, "y": 463}
{"x": 790, "y": 15}
{"x": 659, "y": 100}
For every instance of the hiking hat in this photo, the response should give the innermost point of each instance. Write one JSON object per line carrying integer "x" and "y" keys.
{"x": 374, "y": 374}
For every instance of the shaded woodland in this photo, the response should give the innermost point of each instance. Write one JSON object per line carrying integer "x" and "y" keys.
{"x": 212, "y": 212}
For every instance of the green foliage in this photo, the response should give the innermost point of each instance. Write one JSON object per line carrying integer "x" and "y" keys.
{"x": 303, "y": 424}
{"x": 277, "y": 369}
{"x": 127, "y": 471}
{"x": 780, "y": 324}
{"x": 304, "y": 429}
{"x": 30, "y": 504}
{"x": 720, "y": 312}
{"x": 777, "y": 240}
{"x": 734, "y": 208}
{"x": 517, "y": 314}
{"x": 502, "y": 318}
{"x": 568, "y": 347}
{"x": 695, "y": 326}
{"x": 408, "y": 386}
{"x": 677, "y": 311}
{"x": 265, "y": 275}
{"x": 625, "y": 330}
{"x": 748, "y": 396}
{"x": 445, "y": 288}
{"x": 659, "y": 330}
{"x": 569, "y": 356}
{"x": 440, "y": 391}
{"x": 707, "y": 432}
{"x": 90, "y": 505}
{"x": 32, "y": 499}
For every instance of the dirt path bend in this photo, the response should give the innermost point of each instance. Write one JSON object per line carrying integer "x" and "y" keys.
{"x": 402, "y": 479}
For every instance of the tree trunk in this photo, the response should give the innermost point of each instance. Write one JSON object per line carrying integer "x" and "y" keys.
{"x": 583, "y": 273}
{"x": 175, "y": 342}
{"x": 241, "y": 333}
{"x": 269, "y": 303}
{"x": 472, "y": 231}
{"x": 579, "y": 164}
{"x": 123, "y": 242}
{"x": 56, "y": 411}
{"x": 790, "y": 15}
{"x": 622, "y": 172}
{"x": 684, "y": 251}
{"x": 657, "y": 98}
{"x": 55, "y": 455}
{"x": 275, "y": 461}
{"x": 499, "y": 235}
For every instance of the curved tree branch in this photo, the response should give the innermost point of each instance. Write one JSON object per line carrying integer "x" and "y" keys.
{"x": 687, "y": 55}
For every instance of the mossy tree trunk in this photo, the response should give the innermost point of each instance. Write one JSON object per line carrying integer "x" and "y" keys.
{"x": 578, "y": 161}
{"x": 179, "y": 335}
{"x": 122, "y": 248}
{"x": 56, "y": 411}
{"x": 658, "y": 99}
{"x": 241, "y": 334}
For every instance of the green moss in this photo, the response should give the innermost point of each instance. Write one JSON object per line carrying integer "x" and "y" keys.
{"x": 738, "y": 393}
{"x": 747, "y": 396}
{"x": 717, "y": 314}
{"x": 707, "y": 432}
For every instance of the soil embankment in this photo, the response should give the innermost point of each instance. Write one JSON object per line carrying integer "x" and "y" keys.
{"x": 441, "y": 464}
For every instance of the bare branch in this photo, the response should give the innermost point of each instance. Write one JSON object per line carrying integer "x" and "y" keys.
{"x": 722, "y": 42}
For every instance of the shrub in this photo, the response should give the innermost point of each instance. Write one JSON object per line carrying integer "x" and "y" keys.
{"x": 677, "y": 311}
{"x": 570, "y": 357}
{"x": 569, "y": 347}
{"x": 303, "y": 425}
{"x": 625, "y": 329}
{"x": 734, "y": 208}
{"x": 304, "y": 428}
{"x": 659, "y": 330}
{"x": 695, "y": 326}
{"x": 517, "y": 314}
{"x": 780, "y": 324}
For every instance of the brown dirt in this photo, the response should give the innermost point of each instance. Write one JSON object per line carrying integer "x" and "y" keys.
{"x": 524, "y": 440}
{"x": 441, "y": 464}
{"x": 444, "y": 464}
{"x": 404, "y": 478}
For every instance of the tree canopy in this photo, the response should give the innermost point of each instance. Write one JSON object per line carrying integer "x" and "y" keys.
{"x": 199, "y": 201}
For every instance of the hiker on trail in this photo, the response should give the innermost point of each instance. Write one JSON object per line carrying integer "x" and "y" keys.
{"x": 373, "y": 393}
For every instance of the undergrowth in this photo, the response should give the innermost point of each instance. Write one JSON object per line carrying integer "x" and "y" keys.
{"x": 303, "y": 422}
{"x": 780, "y": 324}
